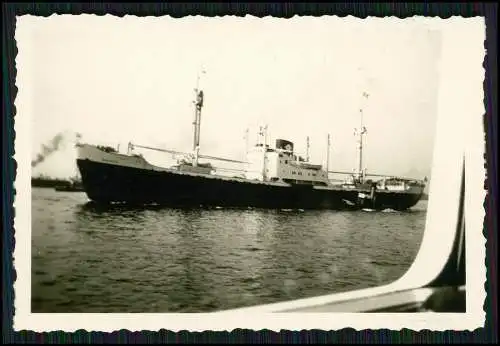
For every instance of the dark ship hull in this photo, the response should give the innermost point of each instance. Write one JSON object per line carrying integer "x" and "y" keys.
{"x": 106, "y": 182}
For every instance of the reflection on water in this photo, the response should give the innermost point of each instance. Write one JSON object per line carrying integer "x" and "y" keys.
{"x": 87, "y": 258}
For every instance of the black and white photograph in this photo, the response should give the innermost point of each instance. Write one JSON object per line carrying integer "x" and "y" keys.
{"x": 209, "y": 173}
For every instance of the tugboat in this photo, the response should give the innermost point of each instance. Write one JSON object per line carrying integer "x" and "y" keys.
{"x": 273, "y": 177}
{"x": 74, "y": 185}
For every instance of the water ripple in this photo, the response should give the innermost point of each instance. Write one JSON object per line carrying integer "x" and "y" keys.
{"x": 87, "y": 258}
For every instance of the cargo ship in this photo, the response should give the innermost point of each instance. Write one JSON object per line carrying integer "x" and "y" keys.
{"x": 273, "y": 177}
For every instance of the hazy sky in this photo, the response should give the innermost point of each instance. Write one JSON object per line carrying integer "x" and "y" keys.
{"x": 116, "y": 80}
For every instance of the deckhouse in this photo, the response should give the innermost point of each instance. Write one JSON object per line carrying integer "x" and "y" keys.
{"x": 281, "y": 163}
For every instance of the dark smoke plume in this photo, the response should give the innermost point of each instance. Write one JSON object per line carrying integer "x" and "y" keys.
{"x": 48, "y": 149}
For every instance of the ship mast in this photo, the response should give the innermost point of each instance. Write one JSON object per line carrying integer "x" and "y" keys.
{"x": 246, "y": 140}
{"x": 328, "y": 154}
{"x": 307, "y": 149}
{"x": 262, "y": 141}
{"x": 360, "y": 132}
{"x": 197, "y": 120}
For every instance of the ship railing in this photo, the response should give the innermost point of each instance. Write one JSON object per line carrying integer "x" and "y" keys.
{"x": 383, "y": 176}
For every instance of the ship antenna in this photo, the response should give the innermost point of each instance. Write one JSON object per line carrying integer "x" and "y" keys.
{"x": 307, "y": 149}
{"x": 264, "y": 151}
{"x": 266, "y": 134}
{"x": 328, "y": 154}
{"x": 197, "y": 119}
{"x": 361, "y": 132}
{"x": 246, "y": 140}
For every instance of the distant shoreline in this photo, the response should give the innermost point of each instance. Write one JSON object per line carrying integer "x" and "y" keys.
{"x": 49, "y": 182}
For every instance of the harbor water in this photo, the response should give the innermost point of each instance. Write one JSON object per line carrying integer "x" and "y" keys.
{"x": 93, "y": 259}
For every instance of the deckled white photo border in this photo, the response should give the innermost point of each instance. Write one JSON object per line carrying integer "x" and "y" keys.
{"x": 465, "y": 32}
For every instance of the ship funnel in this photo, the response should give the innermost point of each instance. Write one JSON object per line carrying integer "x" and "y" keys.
{"x": 284, "y": 145}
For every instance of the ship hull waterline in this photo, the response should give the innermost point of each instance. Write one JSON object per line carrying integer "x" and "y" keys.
{"x": 106, "y": 183}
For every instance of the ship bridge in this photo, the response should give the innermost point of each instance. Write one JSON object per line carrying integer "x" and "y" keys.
{"x": 282, "y": 163}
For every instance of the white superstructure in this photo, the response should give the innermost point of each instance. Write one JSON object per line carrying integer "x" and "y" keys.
{"x": 281, "y": 164}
